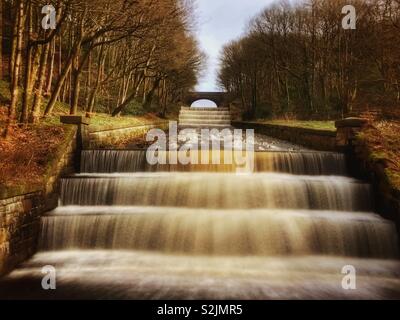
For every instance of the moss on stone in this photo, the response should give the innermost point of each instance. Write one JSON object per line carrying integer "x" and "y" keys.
{"x": 316, "y": 125}
{"x": 383, "y": 144}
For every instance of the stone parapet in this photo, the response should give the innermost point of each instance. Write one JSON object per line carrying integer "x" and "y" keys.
{"x": 110, "y": 136}
{"x": 322, "y": 140}
{"x": 347, "y": 130}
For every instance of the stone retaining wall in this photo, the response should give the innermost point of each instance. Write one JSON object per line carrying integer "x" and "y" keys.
{"x": 387, "y": 199}
{"x": 19, "y": 229}
{"x": 322, "y": 140}
{"x": 106, "y": 137}
{"x": 21, "y": 208}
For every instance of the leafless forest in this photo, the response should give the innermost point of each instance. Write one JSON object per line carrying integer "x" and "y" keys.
{"x": 101, "y": 55}
{"x": 298, "y": 61}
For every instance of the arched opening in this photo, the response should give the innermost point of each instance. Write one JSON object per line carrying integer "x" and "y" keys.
{"x": 204, "y": 103}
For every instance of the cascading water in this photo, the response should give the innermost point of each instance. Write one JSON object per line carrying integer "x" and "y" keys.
{"x": 213, "y": 232}
{"x": 307, "y": 163}
{"x": 217, "y": 191}
{"x": 125, "y": 229}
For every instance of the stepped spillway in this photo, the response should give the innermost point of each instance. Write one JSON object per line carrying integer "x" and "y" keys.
{"x": 127, "y": 229}
{"x": 204, "y": 118}
{"x": 217, "y": 191}
{"x": 254, "y": 232}
{"x": 302, "y": 163}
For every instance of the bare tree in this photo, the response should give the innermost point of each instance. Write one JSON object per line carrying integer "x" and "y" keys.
{"x": 100, "y": 58}
{"x": 299, "y": 61}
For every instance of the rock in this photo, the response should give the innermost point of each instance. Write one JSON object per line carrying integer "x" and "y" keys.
{"x": 351, "y": 123}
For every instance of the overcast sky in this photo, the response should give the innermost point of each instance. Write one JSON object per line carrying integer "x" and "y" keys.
{"x": 220, "y": 21}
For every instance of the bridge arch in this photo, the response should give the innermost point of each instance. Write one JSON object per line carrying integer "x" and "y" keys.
{"x": 204, "y": 103}
{"x": 219, "y": 98}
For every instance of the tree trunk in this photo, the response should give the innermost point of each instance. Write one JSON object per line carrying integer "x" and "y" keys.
{"x": 149, "y": 96}
{"x": 14, "y": 44}
{"x": 51, "y": 70}
{"x": 28, "y": 70}
{"x": 145, "y": 82}
{"x": 98, "y": 79}
{"x": 164, "y": 98}
{"x": 75, "y": 85}
{"x": 121, "y": 107}
{"x": 61, "y": 80}
{"x": 1, "y": 40}
{"x": 254, "y": 96}
{"x": 88, "y": 82}
{"x": 35, "y": 113}
{"x": 132, "y": 97}
{"x": 12, "y": 111}
{"x": 75, "y": 92}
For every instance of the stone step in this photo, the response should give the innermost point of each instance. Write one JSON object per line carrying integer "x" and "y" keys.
{"x": 203, "y": 126}
{"x": 204, "y": 109}
{"x": 207, "y": 113}
{"x": 205, "y": 117}
{"x": 205, "y": 121}
{"x": 194, "y": 121}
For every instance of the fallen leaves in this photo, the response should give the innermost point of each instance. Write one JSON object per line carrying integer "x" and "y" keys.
{"x": 25, "y": 154}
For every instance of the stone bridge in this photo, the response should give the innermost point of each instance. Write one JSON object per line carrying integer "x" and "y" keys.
{"x": 220, "y": 98}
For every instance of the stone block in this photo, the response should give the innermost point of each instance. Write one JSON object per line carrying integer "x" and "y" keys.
{"x": 351, "y": 123}
{"x": 347, "y": 131}
{"x": 77, "y": 120}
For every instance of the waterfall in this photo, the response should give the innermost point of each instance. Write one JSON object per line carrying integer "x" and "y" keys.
{"x": 126, "y": 229}
{"x": 208, "y": 232}
{"x": 218, "y": 191}
{"x": 302, "y": 163}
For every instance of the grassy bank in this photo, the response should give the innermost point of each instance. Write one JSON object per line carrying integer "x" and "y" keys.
{"x": 98, "y": 120}
{"x": 317, "y": 125}
{"x": 383, "y": 142}
{"x": 29, "y": 150}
